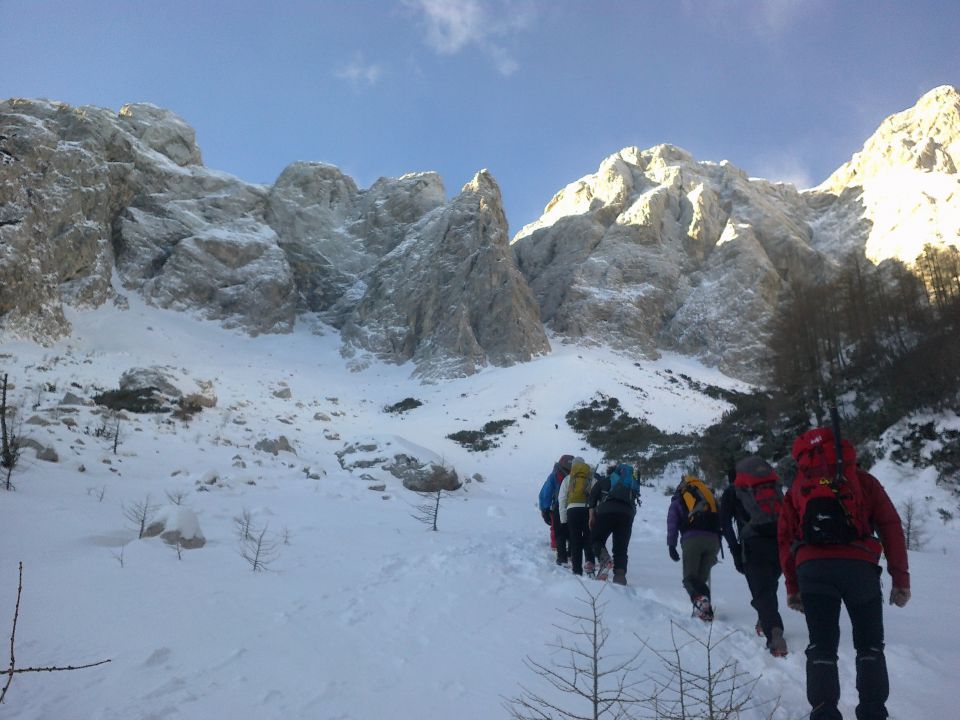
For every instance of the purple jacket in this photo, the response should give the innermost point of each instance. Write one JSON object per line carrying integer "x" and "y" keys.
{"x": 676, "y": 519}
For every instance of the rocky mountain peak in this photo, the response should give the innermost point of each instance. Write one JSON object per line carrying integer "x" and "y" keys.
{"x": 925, "y": 137}
{"x": 904, "y": 182}
{"x": 163, "y": 131}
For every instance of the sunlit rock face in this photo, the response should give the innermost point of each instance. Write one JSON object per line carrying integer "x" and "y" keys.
{"x": 906, "y": 179}
{"x": 658, "y": 251}
{"x": 654, "y": 251}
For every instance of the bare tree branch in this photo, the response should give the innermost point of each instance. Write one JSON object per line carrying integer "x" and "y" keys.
{"x": 13, "y": 669}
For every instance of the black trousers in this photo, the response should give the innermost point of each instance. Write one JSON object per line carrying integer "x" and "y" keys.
{"x": 824, "y": 585}
{"x": 578, "y": 527}
{"x": 618, "y": 524}
{"x": 762, "y": 570}
{"x": 561, "y": 534}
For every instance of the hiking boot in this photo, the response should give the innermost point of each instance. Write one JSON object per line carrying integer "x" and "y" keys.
{"x": 776, "y": 644}
{"x": 619, "y": 576}
{"x": 702, "y": 608}
{"x": 759, "y": 630}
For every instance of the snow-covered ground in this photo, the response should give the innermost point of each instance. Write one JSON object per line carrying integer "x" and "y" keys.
{"x": 364, "y": 613}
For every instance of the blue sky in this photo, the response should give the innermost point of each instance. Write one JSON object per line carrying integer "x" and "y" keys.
{"x": 537, "y": 91}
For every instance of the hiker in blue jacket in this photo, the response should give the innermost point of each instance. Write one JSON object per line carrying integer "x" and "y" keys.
{"x": 549, "y": 505}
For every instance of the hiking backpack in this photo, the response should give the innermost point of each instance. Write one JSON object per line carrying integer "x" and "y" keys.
{"x": 700, "y": 504}
{"x": 581, "y": 478}
{"x": 561, "y": 469}
{"x": 624, "y": 486}
{"x": 830, "y": 504}
{"x": 758, "y": 491}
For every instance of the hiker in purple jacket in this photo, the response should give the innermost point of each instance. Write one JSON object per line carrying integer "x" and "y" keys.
{"x": 693, "y": 516}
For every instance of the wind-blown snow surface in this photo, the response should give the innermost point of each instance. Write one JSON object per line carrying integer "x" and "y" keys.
{"x": 364, "y": 613}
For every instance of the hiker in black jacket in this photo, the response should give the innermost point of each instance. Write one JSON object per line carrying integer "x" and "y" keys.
{"x": 749, "y": 508}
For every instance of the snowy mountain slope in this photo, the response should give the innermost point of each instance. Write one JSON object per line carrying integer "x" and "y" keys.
{"x": 364, "y": 613}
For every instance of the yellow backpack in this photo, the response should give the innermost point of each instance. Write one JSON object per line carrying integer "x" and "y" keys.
{"x": 581, "y": 478}
{"x": 700, "y": 504}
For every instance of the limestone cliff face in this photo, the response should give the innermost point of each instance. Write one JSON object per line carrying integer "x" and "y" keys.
{"x": 653, "y": 251}
{"x": 658, "y": 251}
{"x": 93, "y": 201}
{"x": 449, "y": 296}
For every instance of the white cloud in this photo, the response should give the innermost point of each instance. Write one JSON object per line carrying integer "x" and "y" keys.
{"x": 783, "y": 167}
{"x": 358, "y": 72}
{"x": 767, "y": 19}
{"x": 455, "y": 25}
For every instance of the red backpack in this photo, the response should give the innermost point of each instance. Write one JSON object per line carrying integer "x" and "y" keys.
{"x": 831, "y": 505}
{"x": 757, "y": 487}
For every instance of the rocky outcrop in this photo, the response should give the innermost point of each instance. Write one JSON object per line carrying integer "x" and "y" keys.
{"x": 449, "y": 297}
{"x": 332, "y": 233}
{"x": 656, "y": 250}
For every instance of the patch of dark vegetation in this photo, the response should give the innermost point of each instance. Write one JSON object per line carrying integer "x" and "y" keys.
{"x": 137, "y": 400}
{"x": 403, "y": 406}
{"x": 496, "y": 427}
{"x": 481, "y": 440}
{"x": 606, "y": 426}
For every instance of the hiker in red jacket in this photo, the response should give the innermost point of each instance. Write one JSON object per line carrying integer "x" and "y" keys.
{"x": 832, "y": 529}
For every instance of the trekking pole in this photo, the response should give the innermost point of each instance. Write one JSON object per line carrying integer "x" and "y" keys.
{"x": 835, "y": 421}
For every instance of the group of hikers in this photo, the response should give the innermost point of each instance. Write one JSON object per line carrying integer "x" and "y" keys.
{"x": 825, "y": 535}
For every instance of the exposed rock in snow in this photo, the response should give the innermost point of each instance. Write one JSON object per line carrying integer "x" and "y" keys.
{"x": 276, "y": 446}
{"x": 154, "y": 377}
{"x": 176, "y": 525}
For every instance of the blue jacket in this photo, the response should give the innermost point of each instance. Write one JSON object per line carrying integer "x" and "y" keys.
{"x": 548, "y": 493}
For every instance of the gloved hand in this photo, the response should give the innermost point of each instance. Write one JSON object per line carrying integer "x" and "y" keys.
{"x": 899, "y": 596}
{"x": 674, "y": 555}
{"x": 545, "y": 514}
{"x": 794, "y": 602}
